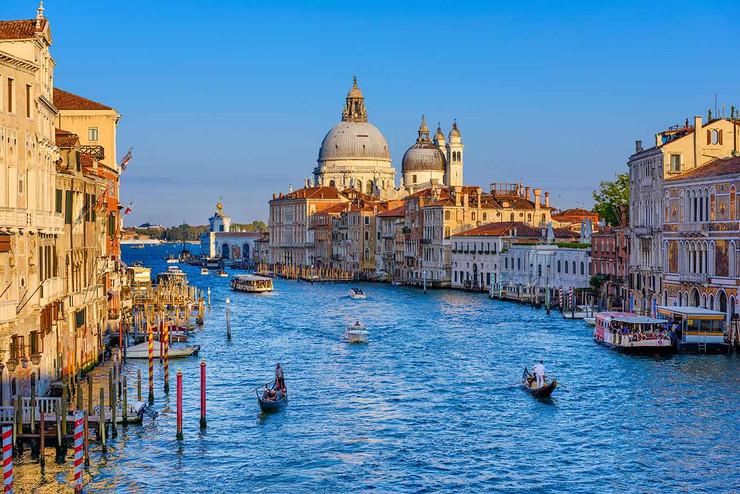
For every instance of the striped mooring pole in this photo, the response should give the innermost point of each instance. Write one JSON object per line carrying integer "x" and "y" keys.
{"x": 79, "y": 448}
{"x": 179, "y": 404}
{"x": 167, "y": 358}
{"x": 570, "y": 298}
{"x": 151, "y": 366}
{"x": 7, "y": 459}
{"x": 560, "y": 297}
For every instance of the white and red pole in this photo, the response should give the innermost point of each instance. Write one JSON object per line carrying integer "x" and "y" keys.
{"x": 8, "y": 459}
{"x": 79, "y": 448}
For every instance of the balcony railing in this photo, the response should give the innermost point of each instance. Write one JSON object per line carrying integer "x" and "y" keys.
{"x": 7, "y": 311}
{"x": 692, "y": 227}
{"x": 97, "y": 152}
{"x": 692, "y": 277}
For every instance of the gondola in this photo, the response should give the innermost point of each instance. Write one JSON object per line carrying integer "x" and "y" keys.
{"x": 271, "y": 406}
{"x": 529, "y": 382}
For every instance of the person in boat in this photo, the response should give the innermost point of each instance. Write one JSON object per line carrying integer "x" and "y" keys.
{"x": 539, "y": 373}
{"x": 279, "y": 378}
{"x": 268, "y": 394}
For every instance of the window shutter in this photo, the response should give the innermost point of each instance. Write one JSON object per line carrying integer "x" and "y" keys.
{"x": 720, "y": 137}
{"x": 709, "y": 136}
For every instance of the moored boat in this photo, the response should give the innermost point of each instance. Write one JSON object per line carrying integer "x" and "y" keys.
{"x": 695, "y": 329}
{"x": 591, "y": 321}
{"x": 251, "y": 284}
{"x": 629, "y": 333}
{"x": 142, "y": 350}
{"x": 529, "y": 382}
{"x": 357, "y": 333}
{"x": 580, "y": 312}
{"x": 357, "y": 293}
{"x": 222, "y": 273}
{"x": 204, "y": 271}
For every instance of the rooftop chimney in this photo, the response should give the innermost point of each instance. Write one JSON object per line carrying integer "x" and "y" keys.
{"x": 697, "y": 141}
{"x": 638, "y": 146}
{"x": 526, "y": 193}
{"x": 274, "y": 196}
{"x": 547, "y": 198}
{"x": 537, "y": 194}
{"x": 458, "y": 191}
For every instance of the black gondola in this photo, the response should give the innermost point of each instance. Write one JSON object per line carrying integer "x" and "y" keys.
{"x": 271, "y": 406}
{"x": 529, "y": 382}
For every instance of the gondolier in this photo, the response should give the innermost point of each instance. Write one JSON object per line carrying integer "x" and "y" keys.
{"x": 539, "y": 373}
{"x": 279, "y": 378}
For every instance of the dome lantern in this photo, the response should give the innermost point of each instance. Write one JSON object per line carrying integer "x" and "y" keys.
{"x": 354, "y": 106}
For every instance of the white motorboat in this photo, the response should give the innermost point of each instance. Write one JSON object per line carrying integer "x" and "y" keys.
{"x": 142, "y": 350}
{"x": 222, "y": 273}
{"x": 356, "y": 293}
{"x": 591, "y": 321}
{"x": 580, "y": 312}
{"x": 251, "y": 283}
{"x": 356, "y": 333}
{"x": 204, "y": 271}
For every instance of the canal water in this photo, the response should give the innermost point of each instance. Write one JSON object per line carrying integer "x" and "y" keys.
{"x": 429, "y": 405}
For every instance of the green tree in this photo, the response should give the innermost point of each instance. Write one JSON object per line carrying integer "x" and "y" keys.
{"x": 610, "y": 196}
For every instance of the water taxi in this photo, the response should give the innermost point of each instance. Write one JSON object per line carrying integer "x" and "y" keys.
{"x": 356, "y": 333}
{"x": 171, "y": 259}
{"x": 696, "y": 330}
{"x": 204, "y": 271}
{"x": 137, "y": 246}
{"x": 222, "y": 273}
{"x": 629, "y": 333}
{"x": 251, "y": 284}
{"x": 356, "y": 293}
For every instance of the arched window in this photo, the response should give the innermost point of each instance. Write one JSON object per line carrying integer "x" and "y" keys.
{"x": 485, "y": 216}
{"x": 574, "y": 267}
{"x": 447, "y": 215}
{"x": 583, "y": 268}
{"x": 472, "y": 216}
{"x": 367, "y": 254}
{"x": 447, "y": 232}
{"x": 543, "y": 217}
{"x": 529, "y": 217}
{"x": 370, "y": 187}
{"x": 511, "y": 218}
{"x": 359, "y": 185}
{"x": 367, "y": 236}
{"x": 332, "y": 183}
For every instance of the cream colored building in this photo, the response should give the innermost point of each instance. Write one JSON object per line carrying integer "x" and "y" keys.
{"x": 32, "y": 284}
{"x": 677, "y": 150}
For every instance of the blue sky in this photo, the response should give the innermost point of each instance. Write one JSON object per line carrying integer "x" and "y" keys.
{"x": 233, "y": 98}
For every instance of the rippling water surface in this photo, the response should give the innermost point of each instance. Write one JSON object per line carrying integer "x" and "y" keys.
{"x": 427, "y": 406}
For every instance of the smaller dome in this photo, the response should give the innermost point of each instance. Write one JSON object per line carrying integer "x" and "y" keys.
{"x": 423, "y": 156}
{"x": 454, "y": 132}
{"x": 439, "y": 136}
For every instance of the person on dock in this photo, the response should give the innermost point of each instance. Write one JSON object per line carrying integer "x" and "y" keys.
{"x": 539, "y": 373}
{"x": 279, "y": 378}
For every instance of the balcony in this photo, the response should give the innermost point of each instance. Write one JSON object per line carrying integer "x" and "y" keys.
{"x": 695, "y": 278}
{"x": 697, "y": 228}
{"x": 426, "y": 241}
{"x": 97, "y": 152}
{"x": 13, "y": 218}
{"x": 47, "y": 222}
{"x": 86, "y": 296}
{"x": 51, "y": 290}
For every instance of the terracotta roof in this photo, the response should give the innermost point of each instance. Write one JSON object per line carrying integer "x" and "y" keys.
{"x": 565, "y": 233}
{"x": 66, "y": 139}
{"x": 64, "y": 100}
{"x": 574, "y": 213}
{"x": 321, "y": 192}
{"x": 334, "y": 209}
{"x": 399, "y": 211}
{"x": 726, "y": 166}
{"x": 500, "y": 229}
{"x": 86, "y": 159}
{"x": 21, "y": 29}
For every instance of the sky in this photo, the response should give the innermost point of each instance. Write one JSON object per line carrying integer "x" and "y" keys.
{"x": 231, "y": 99}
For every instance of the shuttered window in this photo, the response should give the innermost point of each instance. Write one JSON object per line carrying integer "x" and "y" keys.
{"x": 68, "y": 207}
{"x": 59, "y": 201}
{"x": 4, "y": 242}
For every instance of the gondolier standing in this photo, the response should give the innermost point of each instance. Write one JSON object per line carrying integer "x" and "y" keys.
{"x": 539, "y": 373}
{"x": 279, "y": 378}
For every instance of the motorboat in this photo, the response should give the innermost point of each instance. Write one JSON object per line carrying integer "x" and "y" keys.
{"x": 396, "y": 283}
{"x": 222, "y": 273}
{"x": 137, "y": 246}
{"x": 204, "y": 271}
{"x": 580, "y": 312}
{"x": 529, "y": 382}
{"x": 251, "y": 284}
{"x": 629, "y": 333}
{"x": 171, "y": 260}
{"x": 591, "y": 321}
{"x": 173, "y": 275}
{"x": 356, "y": 293}
{"x": 142, "y": 350}
{"x": 356, "y": 333}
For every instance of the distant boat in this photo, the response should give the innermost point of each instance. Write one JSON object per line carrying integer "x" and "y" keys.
{"x": 580, "y": 312}
{"x": 251, "y": 284}
{"x": 204, "y": 271}
{"x": 222, "y": 273}
{"x": 171, "y": 260}
{"x": 137, "y": 246}
{"x": 529, "y": 382}
{"x": 356, "y": 333}
{"x": 356, "y": 293}
{"x": 591, "y": 321}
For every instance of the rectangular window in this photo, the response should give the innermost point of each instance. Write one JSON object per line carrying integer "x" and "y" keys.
{"x": 93, "y": 202}
{"x": 68, "y": 207}
{"x": 10, "y": 95}
{"x": 92, "y": 134}
{"x": 59, "y": 201}
{"x": 4, "y": 242}
{"x": 35, "y": 343}
{"x": 367, "y": 220}
{"x": 675, "y": 162}
{"x": 28, "y": 101}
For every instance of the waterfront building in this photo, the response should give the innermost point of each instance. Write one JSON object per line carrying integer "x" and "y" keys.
{"x": 262, "y": 248}
{"x": 323, "y": 238}
{"x": 33, "y": 288}
{"x": 389, "y": 250}
{"x": 701, "y": 237}
{"x": 83, "y": 251}
{"x": 677, "y": 150}
{"x": 609, "y": 263}
{"x": 475, "y": 253}
{"x": 291, "y": 225}
{"x": 573, "y": 218}
{"x": 221, "y": 241}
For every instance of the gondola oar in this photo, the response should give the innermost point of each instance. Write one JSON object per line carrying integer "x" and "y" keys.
{"x": 260, "y": 386}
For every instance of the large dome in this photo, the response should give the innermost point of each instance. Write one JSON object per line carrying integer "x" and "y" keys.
{"x": 423, "y": 156}
{"x": 354, "y": 141}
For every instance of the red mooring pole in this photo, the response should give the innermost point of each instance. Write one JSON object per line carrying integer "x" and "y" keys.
{"x": 203, "y": 394}
{"x": 179, "y": 404}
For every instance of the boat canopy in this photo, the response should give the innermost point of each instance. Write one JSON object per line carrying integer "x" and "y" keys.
{"x": 692, "y": 312}
{"x": 638, "y": 320}
{"x": 251, "y": 277}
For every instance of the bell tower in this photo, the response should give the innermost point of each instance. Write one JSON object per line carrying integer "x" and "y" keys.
{"x": 454, "y": 168}
{"x": 354, "y": 106}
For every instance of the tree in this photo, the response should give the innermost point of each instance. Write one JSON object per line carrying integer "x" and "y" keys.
{"x": 609, "y": 198}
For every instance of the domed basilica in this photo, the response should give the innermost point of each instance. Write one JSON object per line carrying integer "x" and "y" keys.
{"x": 354, "y": 154}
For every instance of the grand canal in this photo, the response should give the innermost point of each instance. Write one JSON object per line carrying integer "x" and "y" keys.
{"x": 427, "y": 406}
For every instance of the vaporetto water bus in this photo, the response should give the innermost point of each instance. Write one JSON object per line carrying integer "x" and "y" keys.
{"x": 251, "y": 283}
{"x": 696, "y": 330}
{"x": 629, "y": 333}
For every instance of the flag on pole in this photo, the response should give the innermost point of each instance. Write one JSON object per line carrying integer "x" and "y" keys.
{"x": 129, "y": 208}
{"x": 126, "y": 158}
